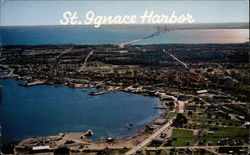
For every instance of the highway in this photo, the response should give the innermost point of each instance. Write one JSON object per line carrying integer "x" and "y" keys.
{"x": 61, "y": 54}
{"x": 143, "y": 38}
{"x": 85, "y": 61}
{"x": 181, "y": 105}
{"x": 149, "y": 139}
{"x": 174, "y": 57}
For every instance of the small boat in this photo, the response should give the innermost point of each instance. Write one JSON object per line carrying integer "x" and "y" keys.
{"x": 109, "y": 139}
{"x": 89, "y": 133}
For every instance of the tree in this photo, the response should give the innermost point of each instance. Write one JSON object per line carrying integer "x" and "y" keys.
{"x": 179, "y": 120}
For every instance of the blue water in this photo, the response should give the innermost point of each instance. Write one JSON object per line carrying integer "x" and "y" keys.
{"x": 86, "y": 36}
{"x": 39, "y": 36}
{"x": 47, "y": 110}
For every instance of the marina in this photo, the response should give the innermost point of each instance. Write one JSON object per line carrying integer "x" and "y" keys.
{"x": 64, "y": 109}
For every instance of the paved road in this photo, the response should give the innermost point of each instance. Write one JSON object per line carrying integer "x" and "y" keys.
{"x": 61, "y": 54}
{"x": 181, "y": 105}
{"x": 174, "y": 57}
{"x": 10, "y": 74}
{"x": 149, "y": 139}
{"x": 85, "y": 61}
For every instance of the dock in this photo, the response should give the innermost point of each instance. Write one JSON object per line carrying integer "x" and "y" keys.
{"x": 32, "y": 83}
{"x": 102, "y": 92}
{"x": 160, "y": 107}
{"x": 98, "y": 93}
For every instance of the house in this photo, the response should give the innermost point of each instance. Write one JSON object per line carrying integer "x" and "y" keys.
{"x": 201, "y": 91}
{"x": 163, "y": 135}
{"x": 157, "y": 141}
{"x": 41, "y": 149}
{"x": 183, "y": 98}
{"x": 191, "y": 107}
{"x": 231, "y": 150}
{"x": 241, "y": 117}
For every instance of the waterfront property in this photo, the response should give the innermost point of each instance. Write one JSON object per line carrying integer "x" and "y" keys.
{"x": 47, "y": 110}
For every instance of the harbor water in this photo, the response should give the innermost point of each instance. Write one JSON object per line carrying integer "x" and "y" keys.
{"x": 48, "y": 110}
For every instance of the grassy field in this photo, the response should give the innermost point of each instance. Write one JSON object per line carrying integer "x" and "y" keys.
{"x": 182, "y": 133}
{"x": 171, "y": 115}
{"x": 231, "y": 132}
{"x": 184, "y": 136}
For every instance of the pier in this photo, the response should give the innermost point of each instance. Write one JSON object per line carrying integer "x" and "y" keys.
{"x": 99, "y": 92}
{"x": 33, "y": 83}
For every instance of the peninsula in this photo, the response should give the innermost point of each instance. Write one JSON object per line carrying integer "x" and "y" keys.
{"x": 203, "y": 87}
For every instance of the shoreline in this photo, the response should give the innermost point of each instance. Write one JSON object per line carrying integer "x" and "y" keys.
{"x": 200, "y": 85}
{"x": 42, "y": 82}
{"x": 140, "y": 135}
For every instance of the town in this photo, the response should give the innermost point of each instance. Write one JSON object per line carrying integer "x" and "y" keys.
{"x": 204, "y": 89}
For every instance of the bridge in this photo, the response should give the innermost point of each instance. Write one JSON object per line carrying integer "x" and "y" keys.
{"x": 159, "y": 31}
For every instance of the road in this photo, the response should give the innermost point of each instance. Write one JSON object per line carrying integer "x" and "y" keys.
{"x": 143, "y": 38}
{"x": 149, "y": 139}
{"x": 85, "y": 61}
{"x": 10, "y": 74}
{"x": 174, "y": 57}
{"x": 181, "y": 105}
{"x": 58, "y": 56}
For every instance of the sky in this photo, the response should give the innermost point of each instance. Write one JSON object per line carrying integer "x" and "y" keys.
{"x": 45, "y": 12}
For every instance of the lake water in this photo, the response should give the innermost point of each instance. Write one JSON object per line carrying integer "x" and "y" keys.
{"x": 47, "y": 110}
{"x": 40, "y": 36}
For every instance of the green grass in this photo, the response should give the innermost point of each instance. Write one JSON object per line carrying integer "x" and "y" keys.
{"x": 231, "y": 132}
{"x": 199, "y": 118}
{"x": 165, "y": 152}
{"x": 182, "y": 133}
{"x": 184, "y": 136}
{"x": 171, "y": 115}
{"x": 202, "y": 119}
{"x": 226, "y": 121}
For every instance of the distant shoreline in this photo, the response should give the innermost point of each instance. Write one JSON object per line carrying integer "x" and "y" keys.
{"x": 147, "y": 26}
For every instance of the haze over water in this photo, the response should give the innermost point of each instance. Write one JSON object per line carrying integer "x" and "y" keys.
{"x": 47, "y": 110}
{"x": 95, "y": 36}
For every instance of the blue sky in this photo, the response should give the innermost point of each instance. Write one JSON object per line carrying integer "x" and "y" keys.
{"x": 22, "y": 12}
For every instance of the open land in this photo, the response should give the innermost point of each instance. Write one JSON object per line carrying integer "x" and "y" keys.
{"x": 203, "y": 87}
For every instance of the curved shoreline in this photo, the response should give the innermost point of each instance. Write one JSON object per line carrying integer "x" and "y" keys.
{"x": 153, "y": 74}
{"x": 139, "y": 132}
